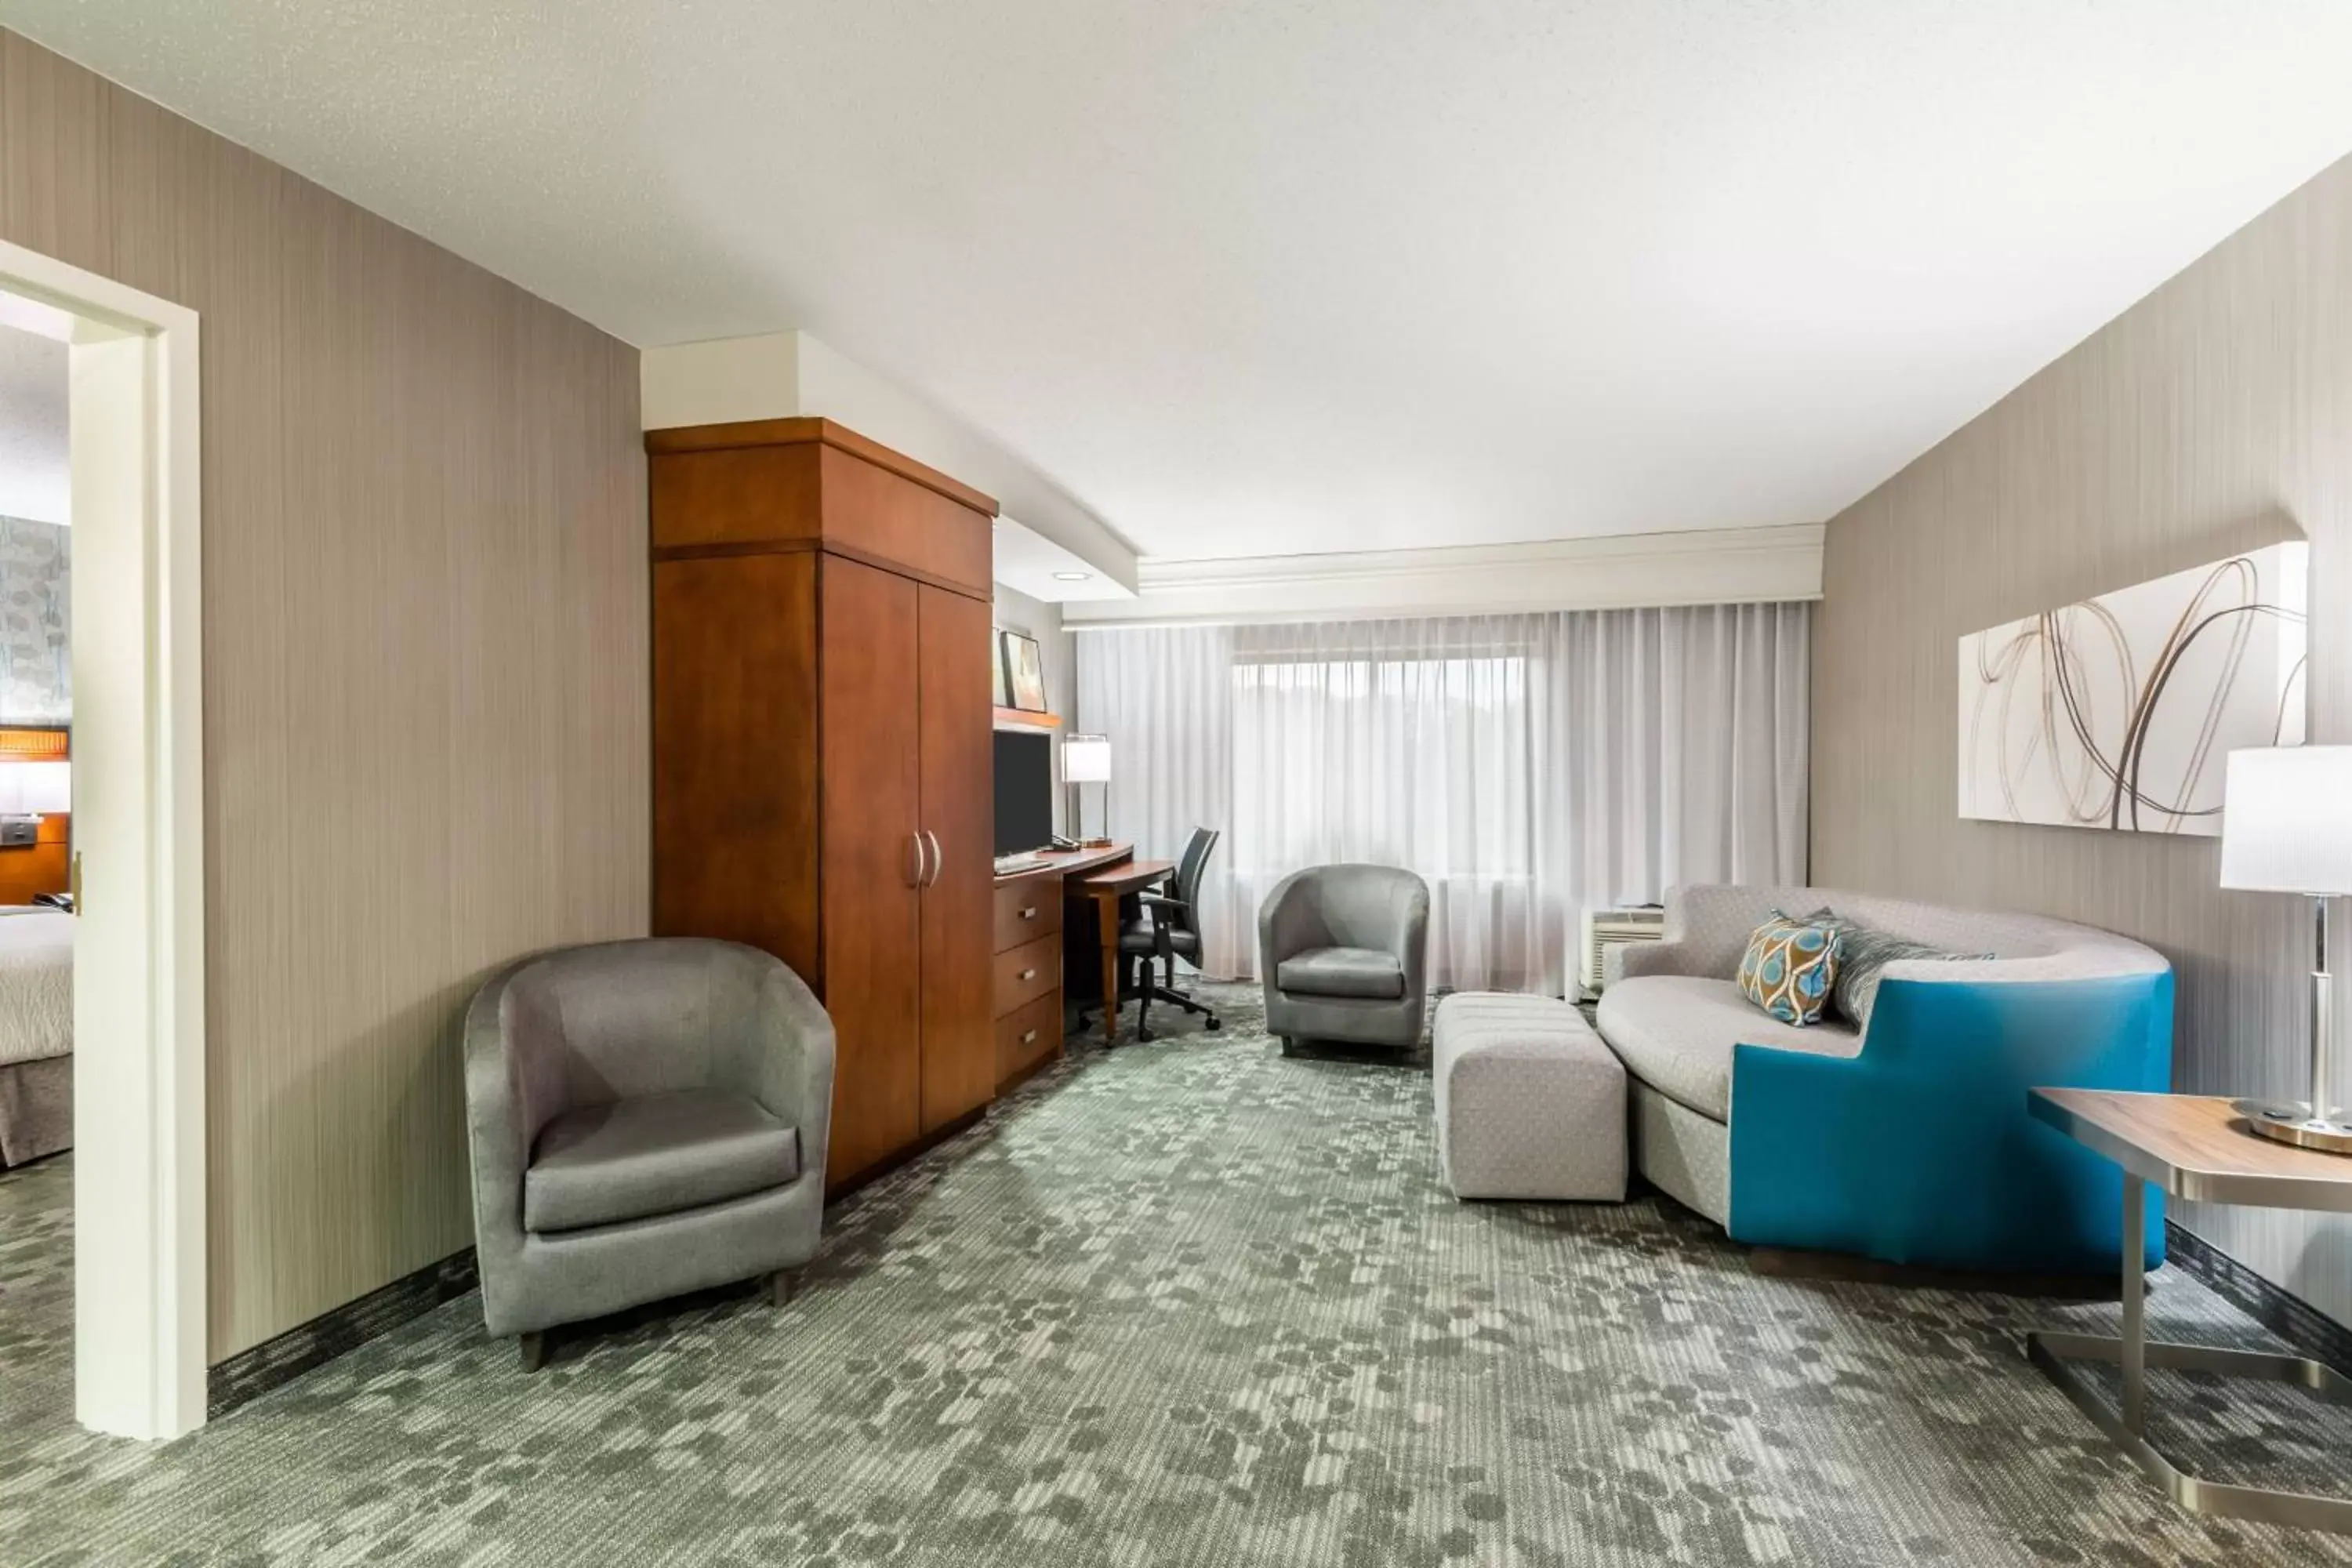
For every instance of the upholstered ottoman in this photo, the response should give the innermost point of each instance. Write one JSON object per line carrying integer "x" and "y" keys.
{"x": 1530, "y": 1104}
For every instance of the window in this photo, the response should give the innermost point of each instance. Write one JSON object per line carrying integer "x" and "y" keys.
{"x": 1416, "y": 762}
{"x": 1527, "y": 766}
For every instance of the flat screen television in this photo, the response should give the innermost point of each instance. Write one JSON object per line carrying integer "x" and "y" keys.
{"x": 1024, "y": 791}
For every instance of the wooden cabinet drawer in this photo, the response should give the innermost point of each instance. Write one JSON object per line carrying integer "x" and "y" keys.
{"x": 1027, "y": 909}
{"x": 1025, "y": 973}
{"x": 1029, "y": 1037}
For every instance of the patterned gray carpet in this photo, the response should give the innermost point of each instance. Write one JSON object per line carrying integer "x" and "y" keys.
{"x": 1187, "y": 1303}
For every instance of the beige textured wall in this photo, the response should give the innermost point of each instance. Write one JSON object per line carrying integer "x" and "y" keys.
{"x": 425, "y": 665}
{"x": 2214, "y": 415}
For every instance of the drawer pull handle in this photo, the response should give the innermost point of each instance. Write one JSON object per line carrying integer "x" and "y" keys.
{"x": 1028, "y": 975}
{"x": 1030, "y": 913}
{"x": 1030, "y": 1039}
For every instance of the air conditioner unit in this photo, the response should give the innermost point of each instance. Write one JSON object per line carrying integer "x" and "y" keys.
{"x": 1600, "y": 932}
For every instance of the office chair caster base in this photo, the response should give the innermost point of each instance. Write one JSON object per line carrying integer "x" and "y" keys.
{"x": 1213, "y": 1024}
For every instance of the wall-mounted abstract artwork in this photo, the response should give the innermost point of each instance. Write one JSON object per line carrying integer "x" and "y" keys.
{"x": 2119, "y": 712}
{"x": 36, "y": 622}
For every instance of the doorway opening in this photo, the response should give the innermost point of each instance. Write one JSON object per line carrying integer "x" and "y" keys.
{"x": 102, "y": 979}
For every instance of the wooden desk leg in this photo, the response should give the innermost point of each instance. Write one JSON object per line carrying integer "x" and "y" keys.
{"x": 1106, "y": 938}
{"x": 2135, "y": 1335}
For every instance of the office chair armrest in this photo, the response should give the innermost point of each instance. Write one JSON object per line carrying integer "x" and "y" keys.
{"x": 1164, "y": 924}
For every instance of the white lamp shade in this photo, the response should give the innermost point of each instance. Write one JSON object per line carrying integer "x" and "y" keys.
{"x": 1085, "y": 759}
{"x": 2286, "y": 820}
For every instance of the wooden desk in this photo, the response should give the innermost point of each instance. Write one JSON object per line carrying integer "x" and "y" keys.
{"x": 1106, "y": 888}
{"x": 1072, "y": 862}
{"x": 1029, "y": 1004}
{"x": 2194, "y": 1147}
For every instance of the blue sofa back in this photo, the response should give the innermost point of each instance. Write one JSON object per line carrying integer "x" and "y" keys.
{"x": 1920, "y": 1150}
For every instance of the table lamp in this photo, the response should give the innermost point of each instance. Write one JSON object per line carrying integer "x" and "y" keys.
{"x": 2286, "y": 828}
{"x": 1085, "y": 759}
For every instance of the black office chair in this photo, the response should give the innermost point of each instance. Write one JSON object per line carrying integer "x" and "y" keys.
{"x": 1170, "y": 929}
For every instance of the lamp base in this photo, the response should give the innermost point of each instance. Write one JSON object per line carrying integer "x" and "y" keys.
{"x": 2292, "y": 1122}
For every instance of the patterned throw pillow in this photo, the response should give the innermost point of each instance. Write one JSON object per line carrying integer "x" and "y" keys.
{"x": 1863, "y": 954}
{"x": 1789, "y": 968}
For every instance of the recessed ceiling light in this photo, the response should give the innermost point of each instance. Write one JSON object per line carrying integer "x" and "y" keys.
{"x": 1072, "y": 576}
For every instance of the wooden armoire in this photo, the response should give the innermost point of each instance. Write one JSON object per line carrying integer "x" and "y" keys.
{"x": 821, "y": 759}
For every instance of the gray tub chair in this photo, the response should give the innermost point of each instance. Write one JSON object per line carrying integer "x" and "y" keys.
{"x": 1344, "y": 954}
{"x": 647, "y": 1119}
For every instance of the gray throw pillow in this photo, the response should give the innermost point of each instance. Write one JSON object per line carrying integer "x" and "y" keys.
{"x": 1863, "y": 954}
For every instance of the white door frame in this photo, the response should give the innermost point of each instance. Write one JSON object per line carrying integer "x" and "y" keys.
{"x": 139, "y": 842}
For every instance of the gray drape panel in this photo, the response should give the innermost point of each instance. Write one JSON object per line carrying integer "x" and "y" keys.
{"x": 1527, "y": 766}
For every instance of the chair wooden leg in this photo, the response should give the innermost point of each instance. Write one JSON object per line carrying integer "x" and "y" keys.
{"x": 780, "y": 1288}
{"x": 534, "y": 1350}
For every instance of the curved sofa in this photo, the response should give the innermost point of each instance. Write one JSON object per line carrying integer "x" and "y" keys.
{"x": 1911, "y": 1142}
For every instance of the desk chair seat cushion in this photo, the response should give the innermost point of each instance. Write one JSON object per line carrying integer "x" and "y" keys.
{"x": 1362, "y": 972}
{"x": 1136, "y": 936}
{"x": 654, "y": 1154}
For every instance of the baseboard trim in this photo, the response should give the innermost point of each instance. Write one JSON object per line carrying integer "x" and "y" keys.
{"x": 2307, "y": 1331}
{"x": 1840, "y": 1267}
{"x": 248, "y": 1375}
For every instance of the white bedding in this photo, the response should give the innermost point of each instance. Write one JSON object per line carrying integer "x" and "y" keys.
{"x": 35, "y": 985}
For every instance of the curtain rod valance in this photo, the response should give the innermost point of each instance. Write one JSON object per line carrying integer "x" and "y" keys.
{"x": 1698, "y": 569}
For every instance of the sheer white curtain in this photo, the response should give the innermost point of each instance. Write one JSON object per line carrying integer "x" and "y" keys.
{"x": 1400, "y": 742}
{"x": 1675, "y": 747}
{"x": 1527, "y": 766}
{"x": 1165, "y": 699}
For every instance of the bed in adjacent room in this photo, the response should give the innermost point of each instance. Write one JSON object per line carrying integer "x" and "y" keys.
{"x": 36, "y": 1032}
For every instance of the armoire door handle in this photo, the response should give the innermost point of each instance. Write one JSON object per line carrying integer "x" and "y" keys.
{"x": 939, "y": 858}
{"x": 918, "y": 880}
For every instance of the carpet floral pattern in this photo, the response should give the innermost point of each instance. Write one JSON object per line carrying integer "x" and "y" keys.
{"x": 1182, "y": 1303}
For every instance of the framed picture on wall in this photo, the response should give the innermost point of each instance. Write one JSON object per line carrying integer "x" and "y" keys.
{"x": 1002, "y": 692}
{"x": 1025, "y": 666}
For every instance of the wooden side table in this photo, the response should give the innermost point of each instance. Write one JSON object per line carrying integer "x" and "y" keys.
{"x": 2188, "y": 1146}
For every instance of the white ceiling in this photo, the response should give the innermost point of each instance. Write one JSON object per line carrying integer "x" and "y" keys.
{"x": 1026, "y": 560}
{"x": 1254, "y": 277}
{"x": 33, "y": 457}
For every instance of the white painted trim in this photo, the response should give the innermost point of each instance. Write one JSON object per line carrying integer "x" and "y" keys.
{"x": 138, "y": 997}
{"x": 1725, "y": 566}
